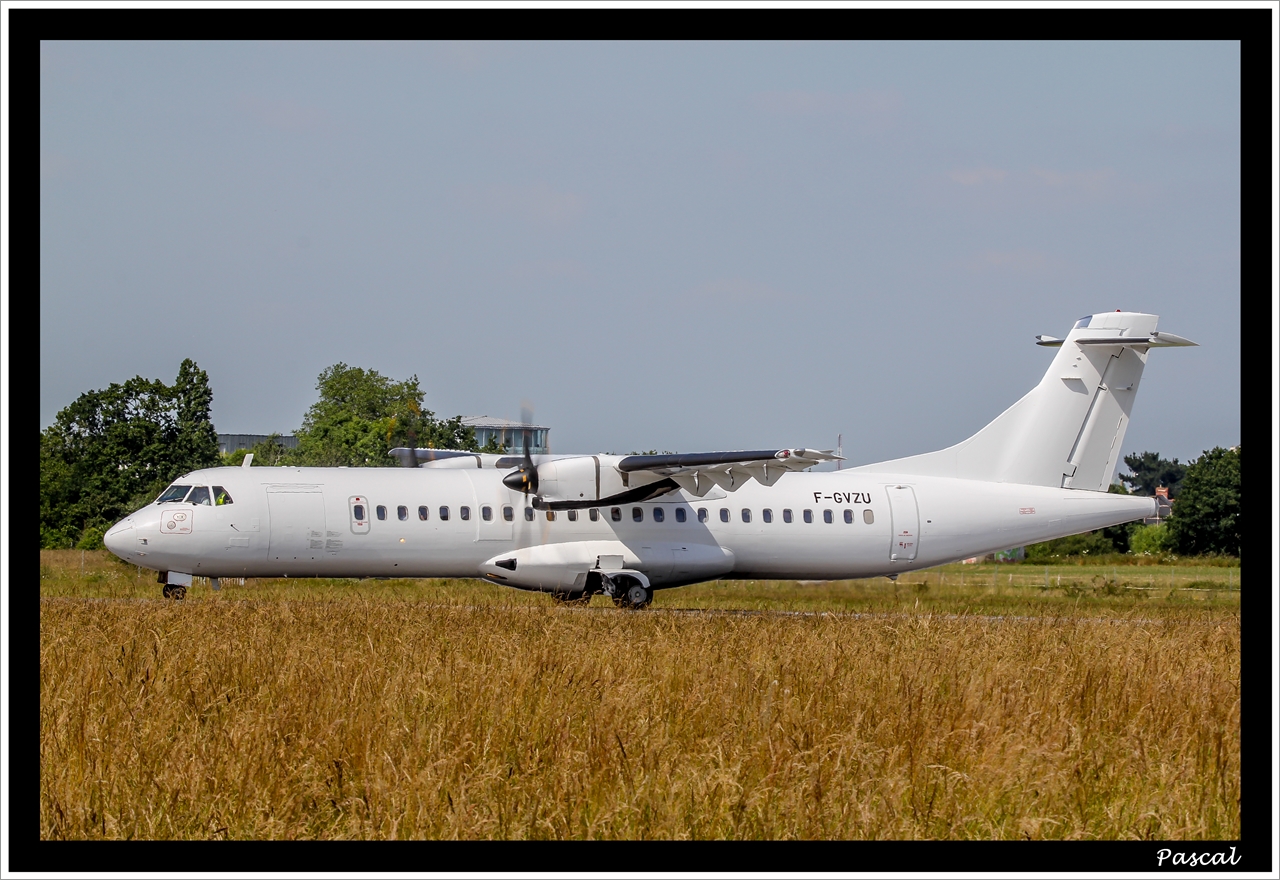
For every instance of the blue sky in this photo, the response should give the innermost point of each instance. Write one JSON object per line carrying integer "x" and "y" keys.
{"x": 683, "y": 246}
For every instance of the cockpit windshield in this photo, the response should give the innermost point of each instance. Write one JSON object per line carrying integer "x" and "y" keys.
{"x": 1083, "y": 322}
{"x": 173, "y": 493}
{"x": 199, "y": 495}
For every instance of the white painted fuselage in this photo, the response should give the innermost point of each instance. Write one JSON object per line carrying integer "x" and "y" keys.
{"x": 301, "y": 522}
{"x": 1039, "y": 471}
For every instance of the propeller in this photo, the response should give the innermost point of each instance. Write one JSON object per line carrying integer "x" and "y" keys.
{"x": 524, "y": 478}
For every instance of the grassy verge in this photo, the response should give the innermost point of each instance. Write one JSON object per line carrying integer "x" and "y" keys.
{"x": 457, "y": 709}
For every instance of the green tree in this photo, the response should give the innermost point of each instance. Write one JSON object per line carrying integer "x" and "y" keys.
{"x": 1149, "y": 540}
{"x": 1206, "y": 517}
{"x": 113, "y": 450}
{"x": 361, "y": 415}
{"x": 1148, "y": 471}
{"x": 266, "y": 453}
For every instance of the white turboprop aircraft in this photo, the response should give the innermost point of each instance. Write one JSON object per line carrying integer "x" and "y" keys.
{"x": 574, "y": 525}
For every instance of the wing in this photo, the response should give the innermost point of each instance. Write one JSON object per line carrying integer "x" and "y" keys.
{"x": 697, "y": 472}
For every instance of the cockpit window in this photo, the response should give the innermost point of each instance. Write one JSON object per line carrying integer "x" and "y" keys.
{"x": 221, "y": 496}
{"x": 1083, "y": 322}
{"x": 199, "y": 495}
{"x": 173, "y": 493}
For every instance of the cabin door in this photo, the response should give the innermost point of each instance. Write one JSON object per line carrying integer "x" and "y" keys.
{"x": 905, "y": 520}
{"x": 297, "y": 526}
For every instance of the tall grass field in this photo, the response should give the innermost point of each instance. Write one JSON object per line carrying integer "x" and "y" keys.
{"x": 988, "y": 702}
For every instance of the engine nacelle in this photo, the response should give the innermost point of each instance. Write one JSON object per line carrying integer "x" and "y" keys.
{"x": 570, "y": 479}
{"x": 585, "y": 479}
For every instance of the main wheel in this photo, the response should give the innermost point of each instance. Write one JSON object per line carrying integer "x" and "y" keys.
{"x": 583, "y": 598}
{"x": 174, "y": 591}
{"x": 638, "y": 596}
{"x": 168, "y": 591}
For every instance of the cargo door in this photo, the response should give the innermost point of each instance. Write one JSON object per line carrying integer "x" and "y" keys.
{"x": 297, "y": 525}
{"x": 905, "y": 519}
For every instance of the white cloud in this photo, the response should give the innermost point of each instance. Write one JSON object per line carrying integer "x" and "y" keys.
{"x": 285, "y": 115}
{"x": 1019, "y": 260}
{"x": 978, "y": 176}
{"x": 737, "y": 290}
{"x": 539, "y": 204}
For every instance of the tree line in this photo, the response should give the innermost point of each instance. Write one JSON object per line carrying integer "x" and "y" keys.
{"x": 113, "y": 451}
{"x": 1204, "y": 519}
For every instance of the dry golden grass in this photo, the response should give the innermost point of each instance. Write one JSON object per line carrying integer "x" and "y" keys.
{"x": 251, "y": 715}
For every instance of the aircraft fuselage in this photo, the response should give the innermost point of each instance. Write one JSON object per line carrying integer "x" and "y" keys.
{"x": 425, "y": 522}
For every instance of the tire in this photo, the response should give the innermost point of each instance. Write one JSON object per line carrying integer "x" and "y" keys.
{"x": 638, "y": 596}
{"x": 178, "y": 592}
{"x": 167, "y": 591}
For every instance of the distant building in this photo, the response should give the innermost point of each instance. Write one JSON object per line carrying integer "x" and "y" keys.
{"x": 232, "y": 442}
{"x": 510, "y": 435}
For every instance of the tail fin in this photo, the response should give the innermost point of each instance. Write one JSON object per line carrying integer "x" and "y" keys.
{"x": 1068, "y": 430}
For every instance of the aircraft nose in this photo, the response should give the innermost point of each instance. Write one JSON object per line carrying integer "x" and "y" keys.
{"x": 119, "y": 538}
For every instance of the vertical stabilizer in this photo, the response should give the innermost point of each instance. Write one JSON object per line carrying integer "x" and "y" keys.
{"x": 1068, "y": 430}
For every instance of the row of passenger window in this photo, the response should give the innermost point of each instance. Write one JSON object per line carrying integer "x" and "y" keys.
{"x": 615, "y": 514}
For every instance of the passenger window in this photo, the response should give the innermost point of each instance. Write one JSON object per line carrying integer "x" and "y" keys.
{"x": 444, "y": 514}
{"x": 593, "y": 514}
{"x": 746, "y": 515}
{"x": 508, "y": 513}
{"x": 551, "y": 516}
{"x": 358, "y": 512}
{"x": 486, "y": 514}
{"x": 826, "y": 516}
{"x": 848, "y": 516}
{"x": 680, "y": 514}
{"x": 402, "y": 512}
{"x": 702, "y": 514}
{"x": 724, "y": 514}
{"x": 808, "y": 516}
{"x": 199, "y": 495}
{"x": 464, "y": 513}
{"x": 422, "y": 512}
{"x": 382, "y": 511}
{"x": 528, "y": 514}
{"x": 868, "y": 517}
{"x": 637, "y": 514}
{"x": 173, "y": 493}
{"x": 221, "y": 496}
{"x": 786, "y": 514}
{"x": 767, "y": 514}
{"x": 659, "y": 514}
{"x": 573, "y": 516}
{"x": 615, "y": 514}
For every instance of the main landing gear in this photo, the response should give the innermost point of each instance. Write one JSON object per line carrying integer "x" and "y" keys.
{"x": 627, "y": 592}
{"x": 175, "y": 591}
{"x": 637, "y": 596}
